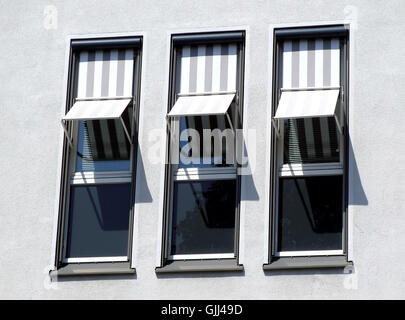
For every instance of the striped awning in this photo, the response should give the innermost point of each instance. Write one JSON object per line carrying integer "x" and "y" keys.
{"x": 307, "y": 104}
{"x": 206, "y": 86}
{"x": 310, "y": 78}
{"x": 207, "y": 79}
{"x": 203, "y": 105}
{"x": 97, "y": 109}
{"x": 104, "y": 90}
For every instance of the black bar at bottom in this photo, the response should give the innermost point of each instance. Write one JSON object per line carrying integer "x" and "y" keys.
{"x": 107, "y": 43}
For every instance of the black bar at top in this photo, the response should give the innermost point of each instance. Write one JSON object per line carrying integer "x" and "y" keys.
{"x": 214, "y": 37}
{"x": 104, "y": 43}
{"x": 311, "y": 32}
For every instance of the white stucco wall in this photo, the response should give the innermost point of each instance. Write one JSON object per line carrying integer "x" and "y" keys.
{"x": 32, "y": 88}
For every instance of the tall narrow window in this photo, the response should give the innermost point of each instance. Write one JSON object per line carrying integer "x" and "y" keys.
{"x": 309, "y": 149}
{"x": 202, "y": 188}
{"x": 96, "y": 206}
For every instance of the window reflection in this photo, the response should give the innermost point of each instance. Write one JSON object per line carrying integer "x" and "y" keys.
{"x": 310, "y": 213}
{"x": 103, "y": 145}
{"x": 311, "y": 140}
{"x": 204, "y": 217}
{"x": 99, "y": 220}
{"x": 207, "y": 152}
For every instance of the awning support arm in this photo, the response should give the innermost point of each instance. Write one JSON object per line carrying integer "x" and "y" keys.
{"x": 69, "y": 138}
{"x": 126, "y": 130}
{"x": 338, "y": 125}
{"x": 229, "y": 120}
{"x": 276, "y": 127}
{"x": 168, "y": 123}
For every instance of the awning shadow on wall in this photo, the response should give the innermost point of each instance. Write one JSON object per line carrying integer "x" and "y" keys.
{"x": 356, "y": 194}
{"x": 249, "y": 191}
{"x": 143, "y": 194}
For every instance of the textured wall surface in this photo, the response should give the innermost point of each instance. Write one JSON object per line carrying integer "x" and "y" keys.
{"x": 32, "y": 87}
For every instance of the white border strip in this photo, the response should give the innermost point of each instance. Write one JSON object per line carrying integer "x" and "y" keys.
{"x": 139, "y": 160}
{"x": 164, "y": 141}
{"x": 245, "y": 128}
{"x": 96, "y": 259}
{"x": 202, "y": 256}
{"x": 60, "y": 157}
{"x": 309, "y": 253}
{"x": 351, "y": 118}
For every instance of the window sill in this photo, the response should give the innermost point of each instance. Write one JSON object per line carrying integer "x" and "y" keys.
{"x": 94, "y": 268}
{"x": 212, "y": 265}
{"x": 314, "y": 262}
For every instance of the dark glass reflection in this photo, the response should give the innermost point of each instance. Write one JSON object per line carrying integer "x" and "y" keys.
{"x": 310, "y": 214}
{"x": 103, "y": 145}
{"x": 204, "y": 217}
{"x": 99, "y": 220}
{"x": 205, "y": 153}
{"x": 311, "y": 140}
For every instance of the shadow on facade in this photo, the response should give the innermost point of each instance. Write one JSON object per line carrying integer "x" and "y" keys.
{"x": 356, "y": 194}
{"x": 249, "y": 191}
{"x": 143, "y": 194}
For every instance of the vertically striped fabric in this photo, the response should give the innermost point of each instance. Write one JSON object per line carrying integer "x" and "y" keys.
{"x": 104, "y": 73}
{"x": 107, "y": 73}
{"x": 312, "y": 63}
{"x": 207, "y": 69}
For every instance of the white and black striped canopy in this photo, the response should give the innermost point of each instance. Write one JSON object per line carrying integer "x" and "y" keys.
{"x": 206, "y": 85}
{"x": 204, "y": 73}
{"x": 208, "y": 68}
{"x": 313, "y": 63}
{"x": 310, "y": 66}
{"x": 105, "y": 73}
{"x": 103, "y": 91}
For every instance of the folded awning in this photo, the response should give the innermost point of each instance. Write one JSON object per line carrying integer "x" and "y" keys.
{"x": 97, "y": 109}
{"x": 202, "y": 105}
{"x": 108, "y": 109}
{"x": 307, "y": 104}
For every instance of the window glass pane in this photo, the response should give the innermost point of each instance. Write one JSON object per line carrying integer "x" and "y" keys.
{"x": 209, "y": 150}
{"x": 103, "y": 145}
{"x": 311, "y": 140}
{"x": 203, "y": 217}
{"x": 98, "y": 220}
{"x": 310, "y": 213}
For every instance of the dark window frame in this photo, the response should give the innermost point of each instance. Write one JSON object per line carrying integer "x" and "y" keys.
{"x": 223, "y": 264}
{"x": 320, "y": 261}
{"x": 77, "y": 45}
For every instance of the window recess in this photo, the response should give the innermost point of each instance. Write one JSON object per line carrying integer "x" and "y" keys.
{"x": 99, "y": 125}
{"x": 202, "y": 185}
{"x": 308, "y": 215}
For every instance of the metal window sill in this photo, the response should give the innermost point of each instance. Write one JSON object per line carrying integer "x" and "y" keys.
{"x": 93, "y": 268}
{"x": 314, "y": 262}
{"x": 209, "y": 265}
